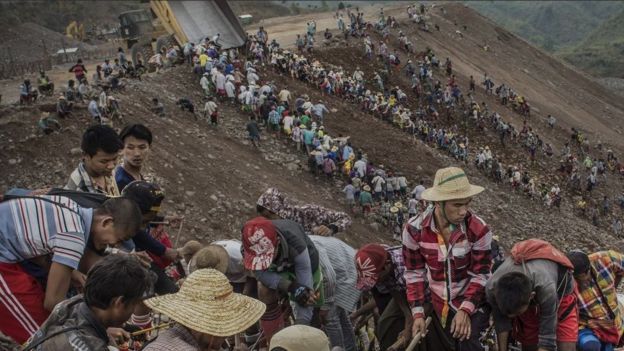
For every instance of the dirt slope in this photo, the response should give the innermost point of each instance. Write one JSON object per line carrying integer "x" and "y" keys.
{"x": 214, "y": 176}
{"x": 512, "y": 216}
{"x": 211, "y": 176}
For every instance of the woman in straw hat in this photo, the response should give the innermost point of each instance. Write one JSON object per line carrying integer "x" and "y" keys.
{"x": 205, "y": 311}
{"x": 454, "y": 246}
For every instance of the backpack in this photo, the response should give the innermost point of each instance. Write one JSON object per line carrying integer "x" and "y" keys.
{"x": 534, "y": 249}
{"x": 83, "y": 199}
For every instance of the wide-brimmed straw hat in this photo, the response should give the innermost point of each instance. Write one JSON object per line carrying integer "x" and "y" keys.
{"x": 207, "y": 304}
{"x": 300, "y": 338}
{"x": 450, "y": 184}
{"x": 211, "y": 256}
{"x": 190, "y": 248}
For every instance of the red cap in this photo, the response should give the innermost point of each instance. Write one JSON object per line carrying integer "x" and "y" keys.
{"x": 259, "y": 244}
{"x": 369, "y": 262}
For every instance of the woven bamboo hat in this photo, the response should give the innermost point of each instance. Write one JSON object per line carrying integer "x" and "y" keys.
{"x": 207, "y": 304}
{"x": 211, "y": 256}
{"x": 450, "y": 184}
{"x": 300, "y": 338}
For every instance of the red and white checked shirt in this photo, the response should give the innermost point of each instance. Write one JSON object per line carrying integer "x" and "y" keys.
{"x": 455, "y": 275}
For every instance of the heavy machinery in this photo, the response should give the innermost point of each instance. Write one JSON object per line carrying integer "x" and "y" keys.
{"x": 179, "y": 22}
{"x": 75, "y": 30}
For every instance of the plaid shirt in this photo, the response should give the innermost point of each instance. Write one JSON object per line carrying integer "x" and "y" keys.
{"x": 176, "y": 338}
{"x": 80, "y": 180}
{"x": 598, "y": 304}
{"x": 455, "y": 275}
{"x": 396, "y": 281}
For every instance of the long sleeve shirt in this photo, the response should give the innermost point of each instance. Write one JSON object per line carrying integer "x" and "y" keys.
{"x": 455, "y": 273}
{"x": 599, "y": 309}
{"x": 296, "y": 254}
{"x": 544, "y": 276}
{"x": 338, "y": 258}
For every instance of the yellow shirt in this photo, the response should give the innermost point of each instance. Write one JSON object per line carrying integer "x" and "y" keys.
{"x": 203, "y": 58}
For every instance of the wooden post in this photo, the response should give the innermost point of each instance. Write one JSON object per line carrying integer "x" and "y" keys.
{"x": 12, "y": 65}
{"x": 46, "y": 56}
{"x": 64, "y": 49}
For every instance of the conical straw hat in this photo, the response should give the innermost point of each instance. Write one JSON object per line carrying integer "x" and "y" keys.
{"x": 450, "y": 184}
{"x": 207, "y": 304}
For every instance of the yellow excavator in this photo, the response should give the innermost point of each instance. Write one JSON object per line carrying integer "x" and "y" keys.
{"x": 170, "y": 23}
{"x": 75, "y": 30}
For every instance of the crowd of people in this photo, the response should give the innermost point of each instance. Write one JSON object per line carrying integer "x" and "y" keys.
{"x": 91, "y": 265}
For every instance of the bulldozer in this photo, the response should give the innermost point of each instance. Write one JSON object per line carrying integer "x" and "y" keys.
{"x": 169, "y": 23}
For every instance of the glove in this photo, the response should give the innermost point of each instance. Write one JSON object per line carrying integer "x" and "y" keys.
{"x": 300, "y": 293}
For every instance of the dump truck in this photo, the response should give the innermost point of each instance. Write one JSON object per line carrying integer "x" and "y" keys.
{"x": 178, "y": 22}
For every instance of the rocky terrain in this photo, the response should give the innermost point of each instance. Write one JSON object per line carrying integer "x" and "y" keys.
{"x": 212, "y": 176}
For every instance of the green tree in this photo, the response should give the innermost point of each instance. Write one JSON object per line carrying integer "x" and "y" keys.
{"x": 341, "y": 6}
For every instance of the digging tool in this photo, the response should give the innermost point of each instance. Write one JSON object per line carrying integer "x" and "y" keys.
{"x": 157, "y": 327}
{"x": 416, "y": 339}
{"x": 177, "y": 239}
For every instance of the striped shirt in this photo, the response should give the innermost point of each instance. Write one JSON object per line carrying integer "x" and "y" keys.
{"x": 33, "y": 227}
{"x": 455, "y": 274}
{"x": 337, "y": 260}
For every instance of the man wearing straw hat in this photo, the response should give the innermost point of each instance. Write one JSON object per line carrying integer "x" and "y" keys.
{"x": 206, "y": 311}
{"x": 447, "y": 248}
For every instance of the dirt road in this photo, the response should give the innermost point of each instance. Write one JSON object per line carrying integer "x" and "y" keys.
{"x": 285, "y": 29}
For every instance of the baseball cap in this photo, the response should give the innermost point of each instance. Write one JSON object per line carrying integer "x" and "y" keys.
{"x": 148, "y": 196}
{"x": 300, "y": 338}
{"x": 259, "y": 244}
{"x": 369, "y": 262}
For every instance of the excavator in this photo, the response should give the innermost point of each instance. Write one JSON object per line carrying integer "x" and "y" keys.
{"x": 75, "y": 30}
{"x": 169, "y": 23}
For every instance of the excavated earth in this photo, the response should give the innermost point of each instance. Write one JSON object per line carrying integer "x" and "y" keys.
{"x": 212, "y": 176}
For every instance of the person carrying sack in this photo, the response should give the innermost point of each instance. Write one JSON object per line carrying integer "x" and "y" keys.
{"x": 447, "y": 253}
{"x": 533, "y": 298}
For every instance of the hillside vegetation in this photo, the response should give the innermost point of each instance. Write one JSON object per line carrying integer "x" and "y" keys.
{"x": 56, "y": 15}
{"x": 602, "y": 52}
{"x": 584, "y": 33}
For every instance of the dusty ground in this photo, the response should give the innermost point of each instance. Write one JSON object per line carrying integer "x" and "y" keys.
{"x": 213, "y": 176}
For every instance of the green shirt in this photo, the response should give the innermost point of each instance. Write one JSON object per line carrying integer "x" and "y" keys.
{"x": 366, "y": 198}
{"x": 305, "y": 119}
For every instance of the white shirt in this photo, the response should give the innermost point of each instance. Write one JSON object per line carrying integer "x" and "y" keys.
{"x": 230, "y": 89}
{"x": 102, "y": 101}
{"x": 210, "y": 107}
{"x": 418, "y": 190}
{"x": 220, "y": 81}
{"x": 205, "y": 84}
{"x": 288, "y": 121}
{"x": 236, "y": 271}
{"x": 360, "y": 167}
{"x": 378, "y": 183}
